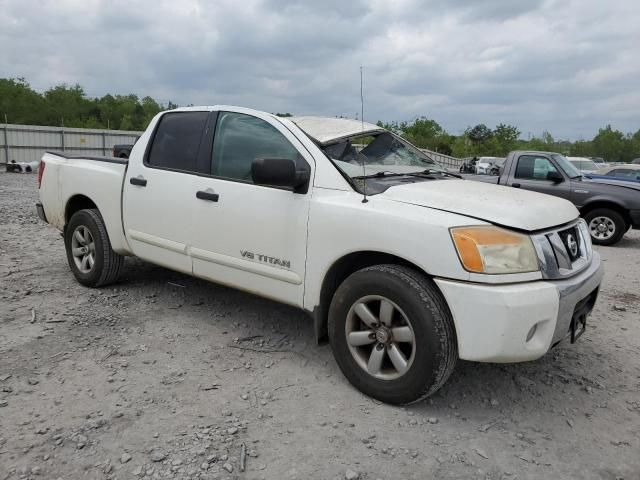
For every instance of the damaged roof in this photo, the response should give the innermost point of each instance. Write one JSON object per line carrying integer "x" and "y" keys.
{"x": 326, "y": 130}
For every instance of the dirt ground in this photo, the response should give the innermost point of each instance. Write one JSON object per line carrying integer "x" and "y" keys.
{"x": 166, "y": 376}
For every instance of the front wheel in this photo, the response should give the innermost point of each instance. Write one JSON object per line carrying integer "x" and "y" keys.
{"x": 89, "y": 252}
{"x": 392, "y": 334}
{"x": 606, "y": 226}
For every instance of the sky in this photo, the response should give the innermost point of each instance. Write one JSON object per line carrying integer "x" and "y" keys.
{"x": 566, "y": 66}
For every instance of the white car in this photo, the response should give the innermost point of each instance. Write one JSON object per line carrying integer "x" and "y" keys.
{"x": 485, "y": 164}
{"x": 402, "y": 265}
{"x": 584, "y": 165}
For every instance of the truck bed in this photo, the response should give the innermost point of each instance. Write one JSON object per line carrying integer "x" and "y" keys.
{"x": 92, "y": 180}
{"x": 96, "y": 158}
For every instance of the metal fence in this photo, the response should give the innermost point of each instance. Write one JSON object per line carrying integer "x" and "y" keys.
{"x": 444, "y": 160}
{"x": 27, "y": 143}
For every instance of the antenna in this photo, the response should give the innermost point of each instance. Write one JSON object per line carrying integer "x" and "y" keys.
{"x": 364, "y": 170}
{"x": 361, "y": 100}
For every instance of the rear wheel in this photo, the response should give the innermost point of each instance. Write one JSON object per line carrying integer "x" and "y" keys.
{"x": 392, "y": 334}
{"x": 89, "y": 253}
{"x": 606, "y": 226}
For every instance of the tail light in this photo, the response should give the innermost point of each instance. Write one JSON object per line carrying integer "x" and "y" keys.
{"x": 41, "y": 172}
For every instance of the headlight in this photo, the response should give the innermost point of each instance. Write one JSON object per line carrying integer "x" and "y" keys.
{"x": 489, "y": 249}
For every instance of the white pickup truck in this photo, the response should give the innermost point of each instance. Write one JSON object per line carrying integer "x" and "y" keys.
{"x": 402, "y": 265}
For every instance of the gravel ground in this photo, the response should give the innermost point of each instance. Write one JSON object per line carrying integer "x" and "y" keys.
{"x": 166, "y": 376}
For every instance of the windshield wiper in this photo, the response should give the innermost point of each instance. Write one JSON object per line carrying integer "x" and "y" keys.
{"x": 423, "y": 174}
{"x": 384, "y": 173}
{"x": 430, "y": 171}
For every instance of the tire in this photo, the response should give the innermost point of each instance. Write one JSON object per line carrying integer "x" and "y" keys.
{"x": 105, "y": 265}
{"x": 604, "y": 218}
{"x": 416, "y": 303}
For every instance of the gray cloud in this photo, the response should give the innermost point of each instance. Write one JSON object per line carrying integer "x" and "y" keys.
{"x": 566, "y": 66}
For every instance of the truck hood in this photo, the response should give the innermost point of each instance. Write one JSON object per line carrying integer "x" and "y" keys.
{"x": 505, "y": 206}
{"x": 606, "y": 181}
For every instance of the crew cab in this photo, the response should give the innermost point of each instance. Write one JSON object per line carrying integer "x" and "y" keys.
{"x": 610, "y": 206}
{"x": 404, "y": 266}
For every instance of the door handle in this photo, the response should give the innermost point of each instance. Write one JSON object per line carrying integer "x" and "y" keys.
{"x": 207, "y": 195}
{"x": 515, "y": 185}
{"x": 139, "y": 181}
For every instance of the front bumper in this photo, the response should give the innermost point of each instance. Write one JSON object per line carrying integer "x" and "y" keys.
{"x": 521, "y": 321}
{"x": 40, "y": 210}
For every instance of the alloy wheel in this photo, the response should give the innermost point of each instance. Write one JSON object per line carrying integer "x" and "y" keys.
{"x": 380, "y": 337}
{"x": 83, "y": 249}
{"x": 602, "y": 228}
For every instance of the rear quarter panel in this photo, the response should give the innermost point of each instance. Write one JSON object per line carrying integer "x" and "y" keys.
{"x": 101, "y": 182}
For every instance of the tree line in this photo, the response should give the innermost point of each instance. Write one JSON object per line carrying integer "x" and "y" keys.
{"x": 70, "y": 106}
{"x": 480, "y": 140}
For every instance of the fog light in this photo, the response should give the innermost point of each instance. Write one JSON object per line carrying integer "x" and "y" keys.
{"x": 532, "y": 332}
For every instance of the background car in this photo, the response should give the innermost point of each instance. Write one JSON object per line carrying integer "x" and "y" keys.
{"x": 584, "y": 164}
{"x": 469, "y": 165}
{"x": 599, "y": 161}
{"x": 636, "y": 161}
{"x": 628, "y": 173}
{"x": 497, "y": 166}
{"x": 485, "y": 164}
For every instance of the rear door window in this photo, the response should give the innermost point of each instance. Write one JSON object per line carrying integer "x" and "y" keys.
{"x": 177, "y": 141}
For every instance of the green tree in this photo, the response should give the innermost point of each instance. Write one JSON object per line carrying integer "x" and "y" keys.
{"x": 424, "y": 133}
{"x": 582, "y": 148}
{"x": 126, "y": 123}
{"x": 610, "y": 144}
{"x": 66, "y": 105}
{"x": 19, "y": 102}
{"x": 479, "y": 134}
{"x": 506, "y": 137}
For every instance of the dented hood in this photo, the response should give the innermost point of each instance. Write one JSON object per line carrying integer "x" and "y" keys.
{"x": 506, "y": 206}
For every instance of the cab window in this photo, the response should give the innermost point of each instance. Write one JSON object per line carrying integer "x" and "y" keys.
{"x": 239, "y": 139}
{"x": 534, "y": 168}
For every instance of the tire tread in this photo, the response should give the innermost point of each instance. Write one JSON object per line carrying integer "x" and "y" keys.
{"x": 112, "y": 261}
{"x": 442, "y": 321}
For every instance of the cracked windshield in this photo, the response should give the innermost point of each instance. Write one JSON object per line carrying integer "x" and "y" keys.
{"x": 379, "y": 154}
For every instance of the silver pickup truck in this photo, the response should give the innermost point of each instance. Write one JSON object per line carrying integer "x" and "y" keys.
{"x": 610, "y": 207}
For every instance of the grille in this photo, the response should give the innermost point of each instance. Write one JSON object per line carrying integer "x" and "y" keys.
{"x": 571, "y": 241}
{"x": 564, "y": 252}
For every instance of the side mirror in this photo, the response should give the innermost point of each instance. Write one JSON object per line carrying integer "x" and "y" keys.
{"x": 278, "y": 172}
{"x": 555, "y": 177}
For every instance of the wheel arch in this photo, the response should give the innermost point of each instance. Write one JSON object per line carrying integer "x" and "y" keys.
{"x": 339, "y": 271}
{"x": 75, "y": 204}
{"x": 604, "y": 203}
